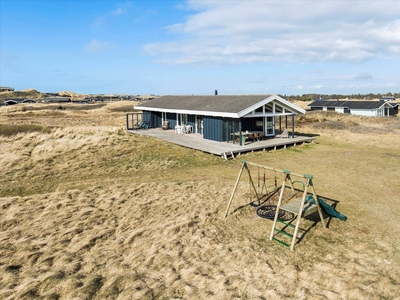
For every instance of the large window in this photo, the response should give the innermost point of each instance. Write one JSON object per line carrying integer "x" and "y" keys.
{"x": 229, "y": 127}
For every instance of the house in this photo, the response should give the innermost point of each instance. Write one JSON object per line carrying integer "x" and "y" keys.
{"x": 219, "y": 117}
{"x": 17, "y": 101}
{"x": 388, "y": 98}
{"x": 360, "y": 108}
{"x": 56, "y": 99}
{"x": 6, "y": 89}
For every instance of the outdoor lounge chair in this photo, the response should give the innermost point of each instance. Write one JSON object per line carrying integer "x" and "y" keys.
{"x": 284, "y": 134}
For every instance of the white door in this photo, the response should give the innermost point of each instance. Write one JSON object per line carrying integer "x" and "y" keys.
{"x": 269, "y": 128}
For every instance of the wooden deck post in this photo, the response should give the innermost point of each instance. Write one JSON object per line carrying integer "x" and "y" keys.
{"x": 292, "y": 126}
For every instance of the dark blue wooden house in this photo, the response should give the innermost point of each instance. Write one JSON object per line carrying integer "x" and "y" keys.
{"x": 217, "y": 117}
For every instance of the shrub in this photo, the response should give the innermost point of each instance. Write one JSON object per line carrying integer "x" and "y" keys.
{"x": 85, "y": 106}
{"x": 10, "y": 130}
{"x": 126, "y": 109}
{"x": 333, "y": 125}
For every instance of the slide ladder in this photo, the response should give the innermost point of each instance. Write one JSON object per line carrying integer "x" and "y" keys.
{"x": 300, "y": 207}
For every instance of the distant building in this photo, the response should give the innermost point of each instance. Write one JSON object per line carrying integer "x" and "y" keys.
{"x": 17, "y": 101}
{"x": 56, "y": 99}
{"x": 360, "y": 108}
{"x": 388, "y": 98}
{"x": 6, "y": 89}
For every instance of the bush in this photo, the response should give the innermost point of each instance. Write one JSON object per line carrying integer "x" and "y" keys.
{"x": 85, "y": 106}
{"x": 332, "y": 125}
{"x": 68, "y": 106}
{"x": 125, "y": 109}
{"x": 10, "y": 130}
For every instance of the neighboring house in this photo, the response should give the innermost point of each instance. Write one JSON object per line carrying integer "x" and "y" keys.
{"x": 6, "y": 89}
{"x": 56, "y": 99}
{"x": 360, "y": 108}
{"x": 388, "y": 98}
{"x": 17, "y": 101}
{"x": 218, "y": 117}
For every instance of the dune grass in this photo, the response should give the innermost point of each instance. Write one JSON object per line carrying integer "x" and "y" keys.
{"x": 10, "y": 130}
{"x": 89, "y": 211}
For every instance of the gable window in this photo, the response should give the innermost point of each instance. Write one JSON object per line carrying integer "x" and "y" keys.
{"x": 268, "y": 108}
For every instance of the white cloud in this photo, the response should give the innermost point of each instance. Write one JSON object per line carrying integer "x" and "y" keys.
{"x": 316, "y": 87}
{"x": 235, "y": 32}
{"x": 392, "y": 85}
{"x": 117, "y": 12}
{"x": 103, "y": 20}
{"x": 97, "y": 46}
{"x": 363, "y": 76}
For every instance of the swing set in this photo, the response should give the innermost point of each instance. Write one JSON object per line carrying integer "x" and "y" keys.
{"x": 297, "y": 193}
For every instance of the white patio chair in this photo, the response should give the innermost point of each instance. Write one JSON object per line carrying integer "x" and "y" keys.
{"x": 188, "y": 128}
{"x": 178, "y": 129}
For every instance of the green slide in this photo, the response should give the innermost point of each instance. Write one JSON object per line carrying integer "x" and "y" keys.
{"x": 329, "y": 210}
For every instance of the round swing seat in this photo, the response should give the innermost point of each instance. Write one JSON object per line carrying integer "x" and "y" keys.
{"x": 269, "y": 211}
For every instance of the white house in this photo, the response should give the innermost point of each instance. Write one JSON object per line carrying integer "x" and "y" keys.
{"x": 360, "y": 108}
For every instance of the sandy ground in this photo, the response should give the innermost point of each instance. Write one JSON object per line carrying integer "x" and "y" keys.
{"x": 117, "y": 224}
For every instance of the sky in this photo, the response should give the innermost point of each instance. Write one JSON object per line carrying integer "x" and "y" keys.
{"x": 196, "y": 47}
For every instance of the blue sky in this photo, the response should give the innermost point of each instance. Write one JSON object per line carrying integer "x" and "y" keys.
{"x": 196, "y": 47}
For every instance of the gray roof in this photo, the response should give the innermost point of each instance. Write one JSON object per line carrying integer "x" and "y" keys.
{"x": 218, "y": 103}
{"x": 57, "y": 99}
{"x": 215, "y": 105}
{"x": 17, "y": 100}
{"x": 349, "y": 104}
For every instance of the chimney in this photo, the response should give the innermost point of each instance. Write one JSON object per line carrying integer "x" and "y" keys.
{"x": 216, "y": 92}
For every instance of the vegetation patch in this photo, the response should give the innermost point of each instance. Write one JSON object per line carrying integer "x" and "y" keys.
{"x": 126, "y": 109}
{"x": 69, "y": 106}
{"x": 88, "y": 106}
{"x": 371, "y": 129}
{"x": 331, "y": 125}
{"x": 10, "y": 130}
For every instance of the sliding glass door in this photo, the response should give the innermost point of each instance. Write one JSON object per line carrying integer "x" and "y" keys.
{"x": 199, "y": 124}
{"x": 269, "y": 128}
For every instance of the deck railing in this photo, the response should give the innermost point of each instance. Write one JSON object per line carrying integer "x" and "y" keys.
{"x": 133, "y": 121}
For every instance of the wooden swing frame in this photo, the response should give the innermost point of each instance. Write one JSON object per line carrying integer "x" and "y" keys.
{"x": 296, "y": 206}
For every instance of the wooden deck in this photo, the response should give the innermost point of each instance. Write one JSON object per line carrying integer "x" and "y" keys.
{"x": 223, "y": 149}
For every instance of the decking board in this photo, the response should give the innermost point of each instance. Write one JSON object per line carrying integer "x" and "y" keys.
{"x": 224, "y": 149}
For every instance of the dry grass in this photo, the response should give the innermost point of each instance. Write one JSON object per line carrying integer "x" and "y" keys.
{"x": 88, "y": 211}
